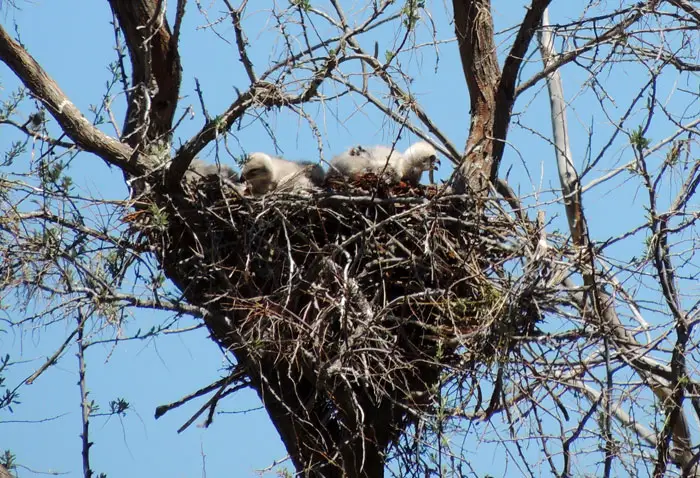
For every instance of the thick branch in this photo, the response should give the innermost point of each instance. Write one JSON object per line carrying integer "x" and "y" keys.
{"x": 474, "y": 29}
{"x": 68, "y": 116}
{"x": 568, "y": 177}
{"x": 156, "y": 70}
{"x": 491, "y": 93}
{"x": 506, "y": 88}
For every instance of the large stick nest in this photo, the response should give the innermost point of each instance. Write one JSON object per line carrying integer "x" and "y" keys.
{"x": 367, "y": 295}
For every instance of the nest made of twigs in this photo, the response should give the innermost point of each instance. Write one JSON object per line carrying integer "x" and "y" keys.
{"x": 357, "y": 298}
{"x": 378, "y": 267}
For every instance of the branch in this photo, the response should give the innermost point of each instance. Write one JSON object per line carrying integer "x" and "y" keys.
{"x": 263, "y": 94}
{"x": 669, "y": 393}
{"x": 474, "y": 28}
{"x": 568, "y": 176}
{"x": 491, "y": 92}
{"x": 156, "y": 69}
{"x": 68, "y": 116}
{"x": 221, "y": 383}
{"x": 85, "y": 405}
{"x": 208, "y": 133}
{"x": 37, "y": 135}
{"x": 606, "y": 36}
{"x": 179, "y": 15}
{"x": 687, "y": 7}
{"x": 241, "y": 40}
{"x": 505, "y": 97}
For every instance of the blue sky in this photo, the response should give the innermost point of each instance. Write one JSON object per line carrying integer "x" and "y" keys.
{"x": 76, "y": 50}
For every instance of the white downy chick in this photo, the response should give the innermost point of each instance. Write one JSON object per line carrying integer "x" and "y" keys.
{"x": 419, "y": 157}
{"x": 267, "y": 173}
{"x": 199, "y": 170}
{"x": 360, "y": 160}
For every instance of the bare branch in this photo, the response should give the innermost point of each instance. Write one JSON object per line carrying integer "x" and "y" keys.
{"x": 635, "y": 13}
{"x": 505, "y": 96}
{"x": 74, "y": 124}
{"x": 37, "y": 135}
{"x": 241, "y": 40}
{"x": 687, "y": 7}
{"x": 568, "y": 177}
{"x": 670, "y": 395}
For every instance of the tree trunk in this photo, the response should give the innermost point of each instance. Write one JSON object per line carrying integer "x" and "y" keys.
{"x": 491, "y": 92}
{"x": 156, "y": 70}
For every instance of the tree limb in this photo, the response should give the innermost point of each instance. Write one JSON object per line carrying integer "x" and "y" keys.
{"x": 665, "y": 390}
{"x": 68, "y": 116}
{"x": 474, "y": 29}
{"x": 491, "y": 92}
{"x": 156, "y": 71}
{"x": 505, "y": 97}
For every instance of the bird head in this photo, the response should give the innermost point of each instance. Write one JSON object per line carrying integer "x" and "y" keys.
{"x": 421, "y": 156}
{"x": 357, "y": 151}
{"x": 258, "y": 172}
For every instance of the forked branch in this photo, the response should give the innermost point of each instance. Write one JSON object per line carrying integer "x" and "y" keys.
{"x": 156, "y": 69}
{"x": 491, "y": 92}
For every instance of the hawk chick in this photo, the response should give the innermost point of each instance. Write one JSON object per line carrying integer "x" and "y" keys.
{"x": 407, "y": 166}
{"x": 265, "y": 173}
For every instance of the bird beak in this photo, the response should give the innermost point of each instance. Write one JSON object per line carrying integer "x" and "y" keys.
{"x": 435, "y": 162}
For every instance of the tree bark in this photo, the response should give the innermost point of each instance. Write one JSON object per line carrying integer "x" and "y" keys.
{"x": 491, "y": 92}
{"x": 474, "y": 29}
{"x": 156, "y": 71}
